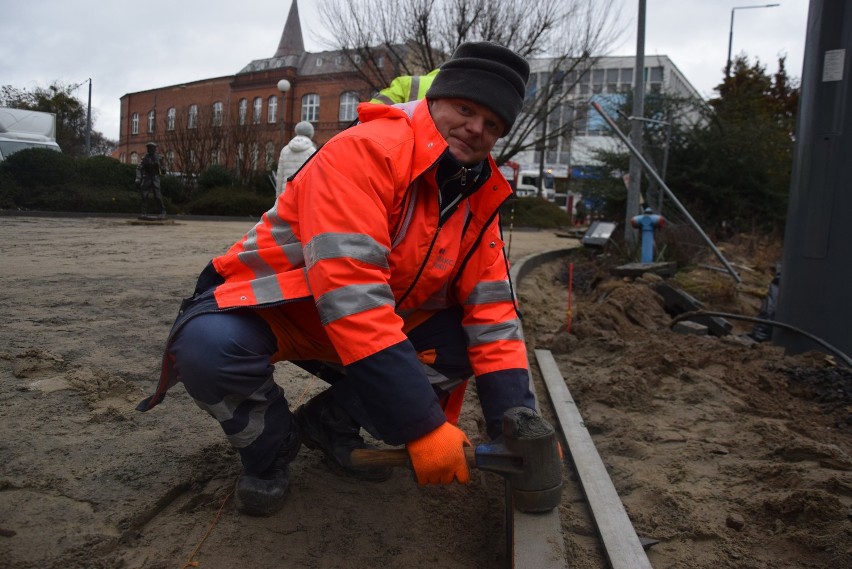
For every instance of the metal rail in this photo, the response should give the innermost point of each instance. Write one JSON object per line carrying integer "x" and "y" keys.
{"x": 621, "y": 544}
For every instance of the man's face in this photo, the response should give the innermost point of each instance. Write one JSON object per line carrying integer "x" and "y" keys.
{"x": 470, "y": 129}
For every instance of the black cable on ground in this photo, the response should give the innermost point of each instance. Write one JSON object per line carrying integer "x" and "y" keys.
{"x": 696, "y": 313}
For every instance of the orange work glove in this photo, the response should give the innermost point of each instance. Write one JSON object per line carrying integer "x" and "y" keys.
{"x": 438, "y": 457}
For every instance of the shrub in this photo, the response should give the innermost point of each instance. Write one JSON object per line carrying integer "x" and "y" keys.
{"x": 216, "y": 177}
{"x": 39, "y": 167}
{"x": 231, "y": 202}
{"x": 103, "y": 171}
{"x": 534, "y": 212}
{"x": 174, "y": 188}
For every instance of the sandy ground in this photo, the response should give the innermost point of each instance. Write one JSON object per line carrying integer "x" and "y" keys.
{"x": 86, "y": 481}
{"x": 729, "y": 453}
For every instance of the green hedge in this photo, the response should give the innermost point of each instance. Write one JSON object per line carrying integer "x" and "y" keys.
{"x": 231, "y": 202}
{"x": 534, "y": 212}
{"x": 44, "y": 180}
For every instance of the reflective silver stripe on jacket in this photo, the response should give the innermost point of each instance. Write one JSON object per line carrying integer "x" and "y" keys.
{"x": 224, "y": 411}
{"x": 384, "y": 99}
{"x": 266, "y": 289}
{"x": 439, "y": 380}
{"x": 414, "y": 90}
{"x": 490, "y": 291}
{"x": 283, "y": 235}
{"x": 356, "y": 246}
{"x": 409, "y": 213}
{"x": 352, "y": 299}
{"x": 485, "y": 333}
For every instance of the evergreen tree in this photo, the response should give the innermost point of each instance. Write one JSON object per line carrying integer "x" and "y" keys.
{"x": 734, "y": 167}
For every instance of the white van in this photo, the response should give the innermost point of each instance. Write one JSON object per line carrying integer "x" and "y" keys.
{"x": 528, "y": 185}
{"x": 20, "y": 129}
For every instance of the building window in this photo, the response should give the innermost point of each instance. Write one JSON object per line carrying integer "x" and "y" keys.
{"x": 134, "y": 123}
{"x": 122, "y": 158}
{"x": 356, "y": 59}
{"x": 269, "y": 156}
{"x": 380, "y": 62}
{"x": 598, "y": 79}
{"x": 243, "y": 111}
{"x": 170, "y": 118}
{"x": 319, "y": 62}
{"x": 218, "y": 112}
{"x": 348, "y": 104}
{"x": 134, "y": 158}
{"x": 214, "y": 157}
{"x": 272, "y": 109}
{"x": 170, "y": 160}
{"x": 152, "y": 120}
{"x": 256, "y": 110}
{"x": 193, "y": 117}
{"x": 310, "y": 107}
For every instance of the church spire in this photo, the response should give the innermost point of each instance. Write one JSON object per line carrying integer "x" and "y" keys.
{"x": 291, "y": 38}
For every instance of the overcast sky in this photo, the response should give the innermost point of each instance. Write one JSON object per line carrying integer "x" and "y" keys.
{"x": 165, "y": 42}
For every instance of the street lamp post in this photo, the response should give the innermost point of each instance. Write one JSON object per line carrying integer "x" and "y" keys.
{"x": 89, "y": 122}
{"x": 731, "y": 31}
{"x": 283, "y": 86}
{"x": 88, "y": 116}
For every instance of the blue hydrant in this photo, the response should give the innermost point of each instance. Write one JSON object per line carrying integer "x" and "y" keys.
{"x": 648, "y": 222}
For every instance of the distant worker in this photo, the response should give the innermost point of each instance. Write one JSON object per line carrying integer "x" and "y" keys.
{"x": 148, "y": 173}
{"x": 405, "y": 88}
{"x": 294, "y": 154}
{"x": 580, "y": 215}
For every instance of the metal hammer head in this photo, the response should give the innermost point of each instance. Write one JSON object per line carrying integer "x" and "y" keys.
{"x": 528, "y": 455}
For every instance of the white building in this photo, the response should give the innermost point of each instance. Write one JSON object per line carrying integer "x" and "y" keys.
{"x": 607, "y": 81}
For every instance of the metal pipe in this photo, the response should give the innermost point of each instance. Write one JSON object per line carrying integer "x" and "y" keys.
{"x": 651, "y": 172}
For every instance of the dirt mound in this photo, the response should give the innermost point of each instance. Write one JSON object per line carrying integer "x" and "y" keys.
{"x": 728, "y": 451}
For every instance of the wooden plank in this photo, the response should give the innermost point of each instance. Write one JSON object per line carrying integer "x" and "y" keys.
{"x": 622, "y": 545}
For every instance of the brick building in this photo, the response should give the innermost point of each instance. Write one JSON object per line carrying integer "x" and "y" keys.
{"x": 243, "y": 120}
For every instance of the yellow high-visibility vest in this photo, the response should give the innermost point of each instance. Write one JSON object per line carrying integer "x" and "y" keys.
{"x": 405, "y": 88}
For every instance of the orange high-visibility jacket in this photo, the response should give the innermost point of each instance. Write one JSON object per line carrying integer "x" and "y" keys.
{"x": 358, "y": 230}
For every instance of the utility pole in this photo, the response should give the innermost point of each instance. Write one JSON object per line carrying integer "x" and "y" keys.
{"x": 816, "y": 275}
{"x": 89, "y": 122}
{"x": 634, "y": 183}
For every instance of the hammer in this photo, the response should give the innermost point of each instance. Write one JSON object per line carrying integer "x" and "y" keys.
{"x": 527, "y": 454}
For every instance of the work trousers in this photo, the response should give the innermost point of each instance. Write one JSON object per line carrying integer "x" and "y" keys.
{"x": 226, "y": 362}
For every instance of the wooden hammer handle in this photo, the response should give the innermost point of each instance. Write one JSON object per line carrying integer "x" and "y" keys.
{"x": 368, "y": 457}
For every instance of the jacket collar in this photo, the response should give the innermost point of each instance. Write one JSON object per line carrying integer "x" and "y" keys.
{"x": 429, "y": 145}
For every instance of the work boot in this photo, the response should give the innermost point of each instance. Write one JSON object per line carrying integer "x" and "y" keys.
{"x": 326, "y": 426}
{"x": 263, "y": 494}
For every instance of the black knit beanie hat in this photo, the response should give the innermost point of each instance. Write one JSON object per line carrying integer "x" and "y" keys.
{"x": 486, "y": 73}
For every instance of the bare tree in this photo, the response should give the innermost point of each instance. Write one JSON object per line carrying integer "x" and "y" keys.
{"x": 562, "y": 39}
{"x": 199, "y": 139}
